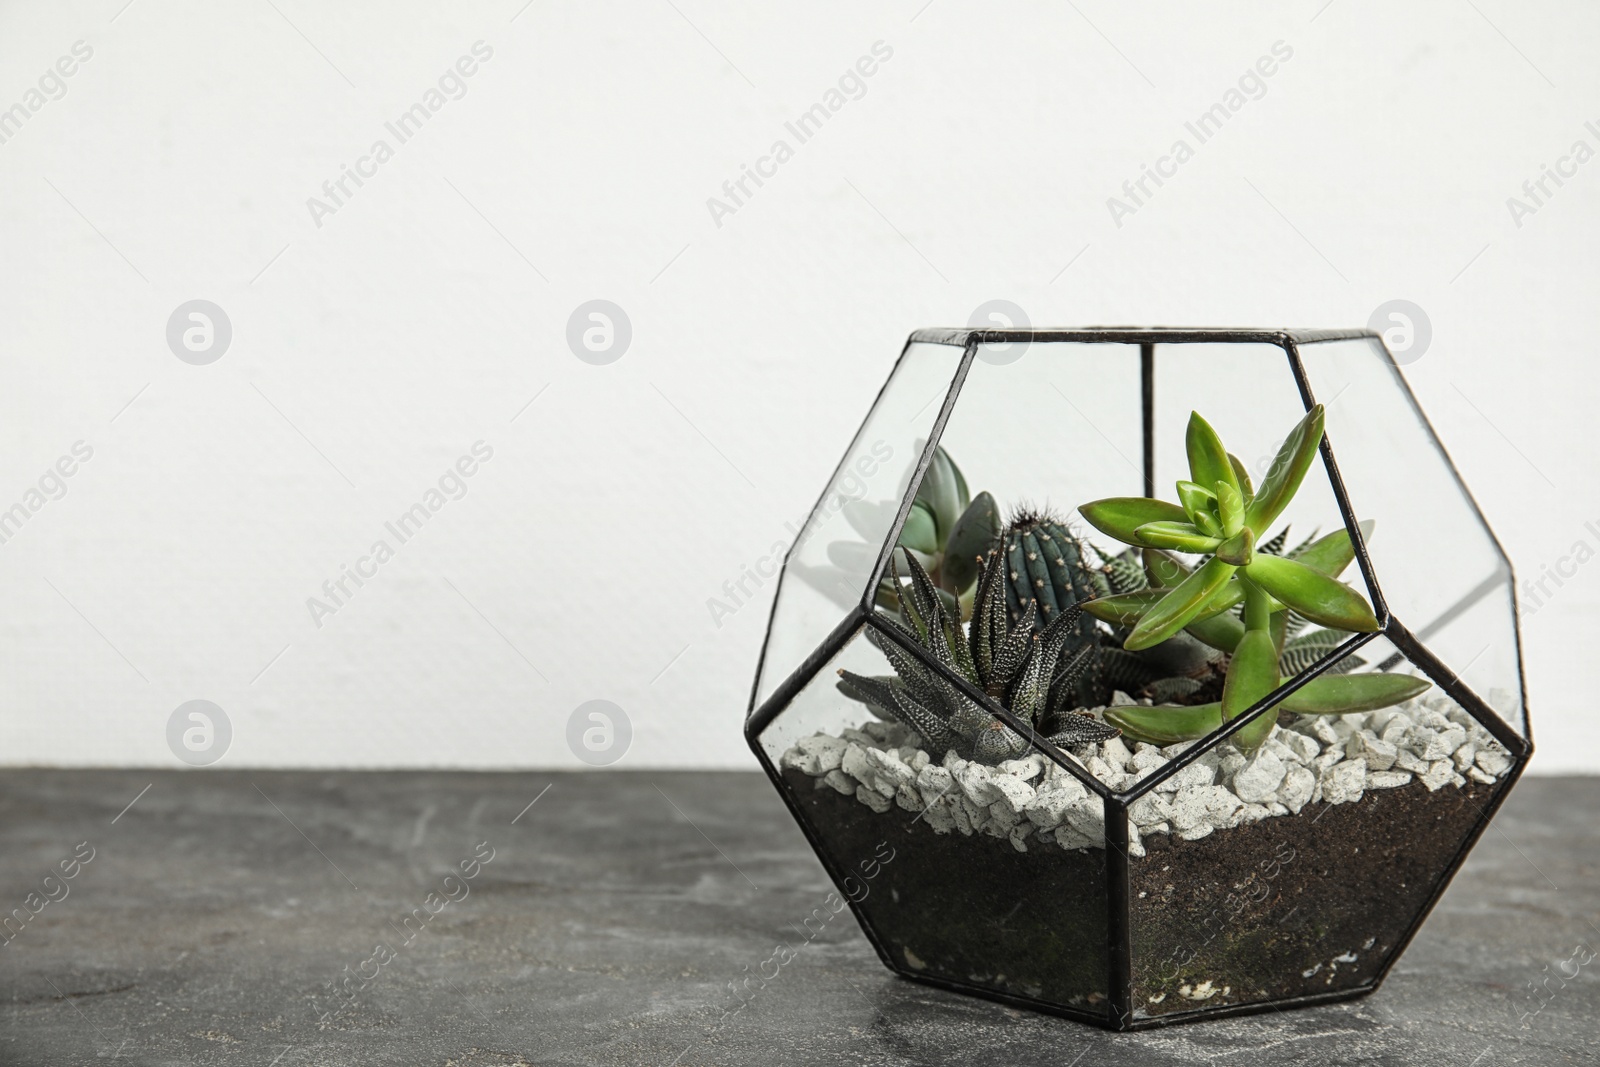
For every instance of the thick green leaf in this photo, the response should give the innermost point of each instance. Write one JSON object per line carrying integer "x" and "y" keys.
{"x": 1331, "y": 554}
{"x": 1313, "y": 594}
{"x": 940, "y": 492}
{"x": 975, "y": 531}
{"x": 1208, "y": 460}
{"x": 963, "y": 497}
{"x": 920, "y": 531}
{"x": 1162, "y": 569}
{"x": 1230, "y": 509}
{"x": 1246, "y": 490}
{"x": 1180, "y": 606}
{"x": 1340, "y": 694}
{"x": 1252, "y": 675}
{"x": 1289, "y": 468}
{"x": 1230, "y": 596}
{"x": 1239, "y": 549}
{"x": 1196, "y": 499}
{"x": 1165, "y": 724}
{"x": 1119, "y": 516}
{"x": 1124, "y": 609}
{"x": 1179, "y": 535}
{"x": 1222, "y": 632}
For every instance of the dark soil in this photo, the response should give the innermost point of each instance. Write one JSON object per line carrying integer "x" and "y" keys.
{"x": 1294, "y": 905}
{"x": 1285, "y": 907}
{"x": 972, "y": 909}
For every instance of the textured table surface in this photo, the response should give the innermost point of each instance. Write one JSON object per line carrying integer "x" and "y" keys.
{"x": 216, "y": 911}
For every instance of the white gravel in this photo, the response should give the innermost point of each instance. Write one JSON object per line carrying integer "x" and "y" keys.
{"x": 1317, "y": 759}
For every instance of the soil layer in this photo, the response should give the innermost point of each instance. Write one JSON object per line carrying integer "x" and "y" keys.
{"x": 1284, "y": 907}
{"x": 971, "y": 909}
{"x": 1292, "y": 905}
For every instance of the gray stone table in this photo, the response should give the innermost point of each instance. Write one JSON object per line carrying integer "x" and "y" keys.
{"x": 217, "y": 910}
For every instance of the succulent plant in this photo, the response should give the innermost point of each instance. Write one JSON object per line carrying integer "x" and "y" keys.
{"x": 1031, "y": 674}
{"x": 946, "y": 530}
{"x": 1220, "y": 517}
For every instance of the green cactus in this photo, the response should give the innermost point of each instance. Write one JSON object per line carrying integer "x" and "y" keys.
{"x": 1044, "y": 564}
{"x": 1034, "y": 675}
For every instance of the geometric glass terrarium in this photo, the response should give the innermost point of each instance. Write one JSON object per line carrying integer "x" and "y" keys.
{"x": 1069, "y": 747}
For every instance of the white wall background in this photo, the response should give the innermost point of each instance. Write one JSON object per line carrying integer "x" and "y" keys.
{"x": 371, "y": 351}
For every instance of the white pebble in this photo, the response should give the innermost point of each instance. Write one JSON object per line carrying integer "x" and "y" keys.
{"x": 1387, "y": 779}
{"x": 1344, "y": 783}
{"x": 1257, "y": 781}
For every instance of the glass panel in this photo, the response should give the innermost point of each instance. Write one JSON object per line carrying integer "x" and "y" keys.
{"x": 989, "y": 876}
{"x": 833, "y": 554}
{"x": 1436, "y": 562}
{"x": 1036, "y": 430}
{"x": 1300, "y": 868}
{"x": 1252, "y": 422}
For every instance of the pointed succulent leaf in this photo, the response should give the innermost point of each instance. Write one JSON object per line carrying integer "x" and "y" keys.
{"x": 1119, "y": 516}
{"x": 920, "y": 532}
{"x": 1321, "y": 599}
{"x": 1012, "y": 651}
{"x": 1208, "y": 523}
{"x": 1246, "y": 490}
{"x": 960, "y": 651}
{"x": 1239, "y": 549}
{"x": 913, "y": 607}
{"x": 1288, "y": 469}
{"x": 873, "y": 692}
{"x": 935, "y": 731}
{"x": 1274, "y": 547}
{"x": 1195, "y": 498}
{"x": 1165, "y": 724}
{"x": 920, "y": 682}
{"x": 1078, "y": 730}
{"x": 1331, "y": 554}
{"x": 1183, "y": 536}
{"x": 988, "y": 617}
{"x": 1303, "y": 651}
{"x": 1163, "y": 569}
{"x": 1027, "y": 696}
{"x": 1225, "y": 599}
{"x": 929, "y": 603}
{"x": 1230, "y": 509}
{"x": 1069, "y": 670}
{"x": 1294, "y": 553}
{"x": 886, "y": 597}
{"x": 1180, "y": 606}
{"x": 1252, "y": 675}
{"x": 1341, "y": 694}
{"x": 1124, "y": 609}
{"x": 972, "y": 535}
{"x": 1208, "y": 460}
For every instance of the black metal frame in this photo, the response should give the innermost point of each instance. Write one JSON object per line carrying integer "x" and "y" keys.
{"x": 1118, "y": 871}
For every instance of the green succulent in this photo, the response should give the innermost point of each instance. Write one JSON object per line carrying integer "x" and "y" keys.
{"x": 946, "y": 531}
{"x": 1031, "y": 674}
{"x": 1220, "y": 517}
{"x": 1046, "y": 574}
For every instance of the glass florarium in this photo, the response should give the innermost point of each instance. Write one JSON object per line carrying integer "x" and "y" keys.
{"x": 1143, "y": 675}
